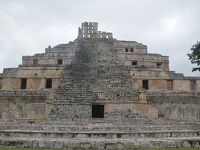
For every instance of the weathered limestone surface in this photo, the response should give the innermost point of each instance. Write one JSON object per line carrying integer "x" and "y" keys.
{"x": 176, "y": 105}
{"x": 94, "y": 77}
{"x": 1, "y": 78}
{"x": 26, "y": 105}
{"x": 54, "y": 99}
{"x": 100, "y": 135}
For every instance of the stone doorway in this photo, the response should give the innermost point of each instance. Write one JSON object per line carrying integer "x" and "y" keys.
{"x": 97, "y": 111}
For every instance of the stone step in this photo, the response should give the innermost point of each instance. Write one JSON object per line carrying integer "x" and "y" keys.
{"x": 117, "y": 130}
{"x": 99, "y": 134}
{"x": 101, "y": 143}
{"x": 96, "y": 126}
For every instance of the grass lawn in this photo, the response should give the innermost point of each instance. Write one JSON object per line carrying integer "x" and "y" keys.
{"x": 12, "y": 148}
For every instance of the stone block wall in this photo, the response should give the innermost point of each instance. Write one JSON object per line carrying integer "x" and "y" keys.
{"x": 113, "y": 113}
{"x": 176, "y": 105}
{"x": 197, "y": 85}
{"x": 186, "y": 84}
{"x": 158, "y": 84}
{"x": 36, "y": 77}
{"x": 64, "y": 52}
{"x": 151, "y": 61}
{"x": 44, "y": 60}
{"x": 71, "y": 112}
{"x": 130, "y": 47}
{"x": 181, "y": 85}
{"x": 140, "y": 73}
{"x": 176, "y": 85}
{"x": 22, "y": 105}
{"x": 90, "y": 30}
{"x": 153, "y": 84}
{"x": 11, "y": 83}
{"x": 139, "y": 107}
{"x": 1, "y": 78}
{"x": 94, "y": 77}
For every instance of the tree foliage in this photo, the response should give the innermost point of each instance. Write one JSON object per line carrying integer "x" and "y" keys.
{"x": 194, "y": 56}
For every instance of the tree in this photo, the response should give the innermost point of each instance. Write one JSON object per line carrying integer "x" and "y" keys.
{"x": 194, "y": 56}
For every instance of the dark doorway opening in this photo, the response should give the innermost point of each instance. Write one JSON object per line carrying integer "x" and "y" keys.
{"x": 131, "y": 49}
{"x": 134, "y": 63}
{"x": 192, "y": 84}
{"x": 48, "y": 83}
{"x": 145, "y": 84}
{"x": 158, "y": 65}
{"x": 23, "y": 83}
{"x": 169, "y": 84}
{"x": 97, "y": 111}
{"x": 60, "y": 61}
{"x": 35, "y": 62}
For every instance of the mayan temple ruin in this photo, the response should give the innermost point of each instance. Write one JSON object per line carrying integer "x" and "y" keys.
{"x": 98, "y": 92}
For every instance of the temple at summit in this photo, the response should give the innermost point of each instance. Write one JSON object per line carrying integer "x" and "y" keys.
{"x": 98, "y": 87}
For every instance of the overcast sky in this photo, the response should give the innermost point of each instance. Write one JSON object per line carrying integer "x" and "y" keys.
{"x": 168, "y": 27}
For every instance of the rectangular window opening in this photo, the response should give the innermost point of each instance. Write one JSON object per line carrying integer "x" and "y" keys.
{"x": 60, "y": 61}
{"x": 119, "y": 135}
{"x": 97, "y": 111}
{"x": 131, "y": 49}
{"x": 35, "y": 62}
{"x": 126, "y": 49}
{"x": 169, "y": 84}
{"x": 145, "y": 84}
{"x": 134, "y": 63}
{"x": 192, "y": 84}
{"x": 49, "y": 83}
{"x": 23, "y": 83}
{"x": 158, "y": 65}
{"x": 160, "y": 115}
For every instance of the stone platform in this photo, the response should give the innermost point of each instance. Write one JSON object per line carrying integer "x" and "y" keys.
{"x": 100, "y": 135}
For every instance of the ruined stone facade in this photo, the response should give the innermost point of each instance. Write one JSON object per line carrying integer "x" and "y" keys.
{"x": 99, "y": 79}
{"x": 96, "y": 69}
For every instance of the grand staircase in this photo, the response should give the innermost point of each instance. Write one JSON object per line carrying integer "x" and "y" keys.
{"x": 142, "y": 133}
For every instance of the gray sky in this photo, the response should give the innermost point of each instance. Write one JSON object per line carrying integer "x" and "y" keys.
{"x": 168, "y": 27}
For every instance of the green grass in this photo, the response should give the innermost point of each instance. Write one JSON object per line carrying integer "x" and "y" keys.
{"x": 12, "y": 148}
